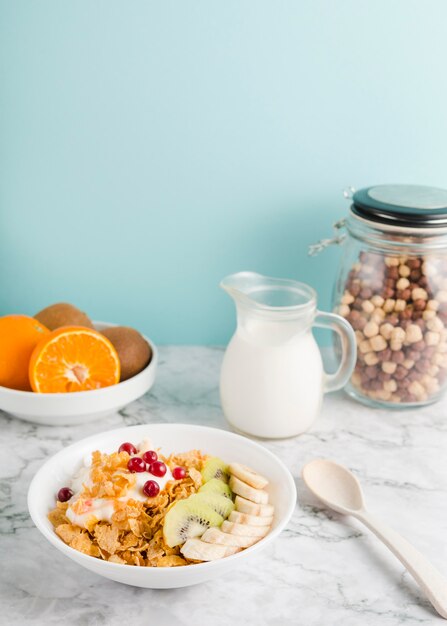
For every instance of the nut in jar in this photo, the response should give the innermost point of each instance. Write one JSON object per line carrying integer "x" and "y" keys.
{"x": 398, "y": 310}
{"x": 392, "y": 288}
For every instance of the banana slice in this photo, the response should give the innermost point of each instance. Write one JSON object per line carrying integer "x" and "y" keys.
{"x": 247, "y": 475}
{"x": 251, "y": 520}
{"x": 242, "y": 489}
{"x": 214, "y": 535}
{"x": 244, "y": 530}
{"x": 199, "y": 550}
{"x": 245, "y": 506}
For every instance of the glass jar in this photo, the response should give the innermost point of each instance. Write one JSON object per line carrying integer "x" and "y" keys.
{"x": 392, "y": 287}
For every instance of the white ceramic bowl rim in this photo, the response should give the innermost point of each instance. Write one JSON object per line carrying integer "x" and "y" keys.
{"x": 92, "y": 393}
{"x": 163, "y": 571}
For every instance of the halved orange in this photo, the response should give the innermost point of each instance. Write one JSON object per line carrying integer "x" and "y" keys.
{"x": 73, "y": 358}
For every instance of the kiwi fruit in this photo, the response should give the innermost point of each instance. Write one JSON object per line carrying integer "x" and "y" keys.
{"x": 218, "y": 487}
{"x": 215, "y": 468}
{"x": 189, "y": 518}
{"x": 133, "y": 350}
{"x": 221, "y": 504}
{"x": 62, "y": 314}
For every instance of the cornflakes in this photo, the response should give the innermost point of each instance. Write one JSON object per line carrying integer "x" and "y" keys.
{"x": 134, "y": 536}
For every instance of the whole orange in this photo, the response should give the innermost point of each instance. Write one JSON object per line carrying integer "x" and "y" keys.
{"x": 19, "y": 334}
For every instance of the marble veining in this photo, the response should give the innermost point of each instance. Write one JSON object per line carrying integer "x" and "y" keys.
{"x": 323, "y": 569}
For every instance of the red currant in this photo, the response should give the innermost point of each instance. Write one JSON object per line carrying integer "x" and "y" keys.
{"x": 151, "y": 489}
{"x": 150, "y": 456}
{"x": 127, "y": 447}
{"x": 64, "y": 494}
{"x": 136, "y": 464}
{"x": 158, "y": 468}
{"x": 179, "y": 473}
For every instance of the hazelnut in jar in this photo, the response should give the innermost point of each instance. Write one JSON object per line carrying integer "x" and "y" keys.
{"x": 392, "y": 288}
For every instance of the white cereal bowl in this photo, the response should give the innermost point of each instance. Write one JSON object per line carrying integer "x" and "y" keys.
{"x": 62, "y": 409}
{"x": 57, "y": 471}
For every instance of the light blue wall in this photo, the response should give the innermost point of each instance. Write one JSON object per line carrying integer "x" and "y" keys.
{"x": 149, "y": 148}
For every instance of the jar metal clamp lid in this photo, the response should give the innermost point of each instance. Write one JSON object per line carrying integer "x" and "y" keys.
{"x": 402, "y": 205}
{"x": 393, "y": 207}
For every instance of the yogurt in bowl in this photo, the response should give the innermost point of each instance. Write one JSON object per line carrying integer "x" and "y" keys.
{"x": 83, "y": 507}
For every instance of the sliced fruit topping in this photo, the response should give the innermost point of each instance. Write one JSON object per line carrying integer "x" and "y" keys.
{"x": 150, "y": 456}
{"x": 151, "y": 488}
{"x": 198, "y": 550}
{"x": 157, "y": 468}
{"x": 179, "y": 473}
{"x": 244, "y": 529}
{"x": 246, "y": 506}
{"x": 189, "y": 518}
{"x": 247, "y": 475}
{"x": 64, "y": 494}
{"x": 215, "y": 468}
{"x": 136, "y": 464}
{"x": 251, "y": 520}
{"x": 222, "y": 505}
{"x": 217, "y": 486}
{"x": 214, "y": 535}
{"x": 127, "y": 447}
{"x": 242, "y": 489}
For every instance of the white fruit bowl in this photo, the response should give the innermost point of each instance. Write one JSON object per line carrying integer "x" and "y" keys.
{"x": 57, "y": 471}
{"x": 62, "y": 409}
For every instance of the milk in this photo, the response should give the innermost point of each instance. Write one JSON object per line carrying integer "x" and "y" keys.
{"x": 272, "y": 390}
{"x": 272, "y": 378}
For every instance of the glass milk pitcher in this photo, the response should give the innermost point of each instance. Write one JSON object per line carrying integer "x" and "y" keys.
{"x": 272, "y": 378}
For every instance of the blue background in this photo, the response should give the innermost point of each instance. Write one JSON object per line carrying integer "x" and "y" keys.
{"x": 147, "y": 149}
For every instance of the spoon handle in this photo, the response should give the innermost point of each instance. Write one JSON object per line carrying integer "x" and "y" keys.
{"x": 428, "y": 577}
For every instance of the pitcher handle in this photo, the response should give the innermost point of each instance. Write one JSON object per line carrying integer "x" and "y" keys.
{"x": 349, "y": 348}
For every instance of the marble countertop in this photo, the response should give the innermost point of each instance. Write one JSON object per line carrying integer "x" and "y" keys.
{"x": 323, "y": 569}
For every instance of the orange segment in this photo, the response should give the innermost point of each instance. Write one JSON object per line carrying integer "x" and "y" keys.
{"x": 73, "y": 358}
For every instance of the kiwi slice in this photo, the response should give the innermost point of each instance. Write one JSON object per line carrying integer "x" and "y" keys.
{"x": 189, "y": 518}
{"x": 221, "y": 504}
{"x": 216, "y": 486}
{"x": 215, "y": 468}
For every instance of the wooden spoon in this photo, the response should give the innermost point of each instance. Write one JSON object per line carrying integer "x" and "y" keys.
{"x": 340, "y": 490}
